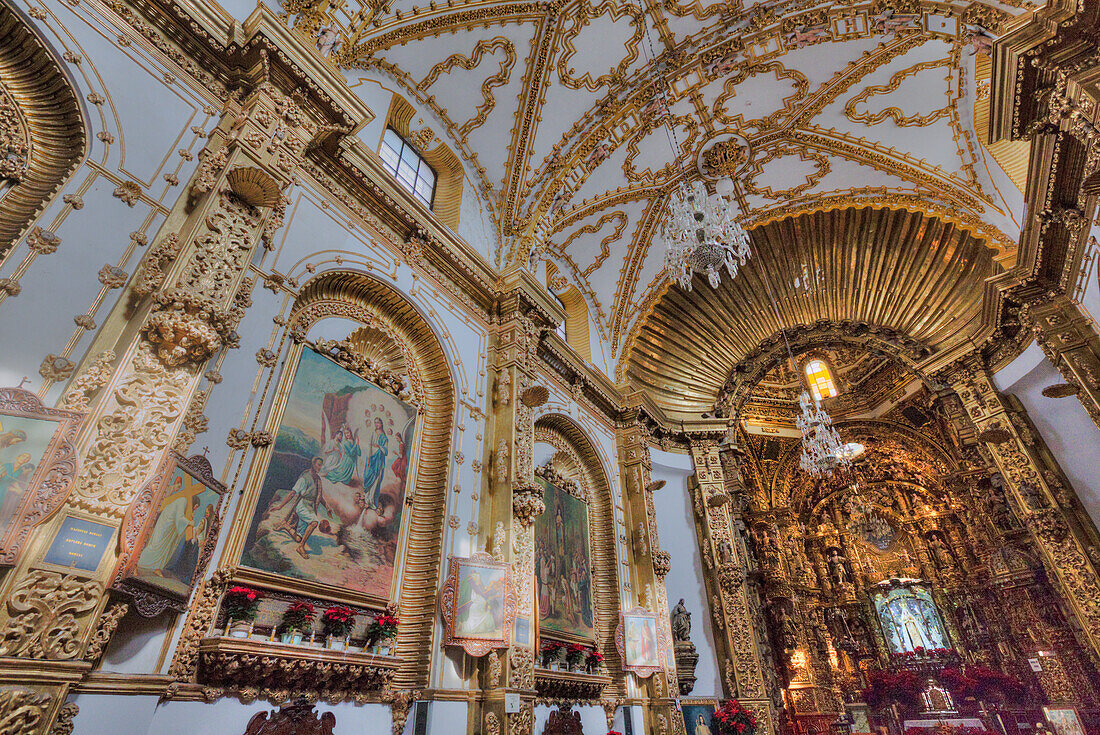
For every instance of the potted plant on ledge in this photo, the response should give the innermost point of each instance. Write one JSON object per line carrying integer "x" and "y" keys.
{"x": 550, "y": 651}
{"x": 240, "y": 605}
{"x": 595, "y": 660}
{"x": 297, "y": 619}
{"x": 338, "y": 621}
{"x": 733, "y": 719}
{"x": 575, "y": 655}
{"x": 382, "y": 631}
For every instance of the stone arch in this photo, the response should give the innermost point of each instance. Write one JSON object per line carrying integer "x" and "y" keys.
{"x": 366, "y": 299}
{"x": 577, "y": 459}
{"x": 43, "y": 136}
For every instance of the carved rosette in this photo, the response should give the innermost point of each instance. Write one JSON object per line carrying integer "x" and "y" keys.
{"x": 662, "y": 563}
{"x": 185, "y": 328}
{"x": 527, "y": 504}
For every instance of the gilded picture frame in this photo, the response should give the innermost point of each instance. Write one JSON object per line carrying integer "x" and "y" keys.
{"x": 1064, "y": 720}
{"x": 641, "y": 642}
{"x": 257, "y": 481}
{"x": 692, "y": 707}
{"x": 38, "y": 443}
{"x": 179, "y": 511}
{"x": 478, "y": 604}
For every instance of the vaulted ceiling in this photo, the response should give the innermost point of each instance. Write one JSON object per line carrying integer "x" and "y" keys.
{"x": 562, "y": 112}
{"x": 909, "y": 281}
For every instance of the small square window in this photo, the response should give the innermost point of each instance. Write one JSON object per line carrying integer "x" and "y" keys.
{"x": 406, "y": 164}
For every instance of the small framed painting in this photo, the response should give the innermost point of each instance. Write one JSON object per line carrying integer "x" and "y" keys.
{"x": 640, "y": 642}
{"x": 1064, "y": 720}
{"x": 478, "y": 604}
{"x": 169, "y": 534}
{"x": 37, "y": 465}
{"x": 698, "y": 714}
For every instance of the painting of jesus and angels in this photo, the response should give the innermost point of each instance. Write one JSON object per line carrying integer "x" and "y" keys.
{"x": 330, "y": 505}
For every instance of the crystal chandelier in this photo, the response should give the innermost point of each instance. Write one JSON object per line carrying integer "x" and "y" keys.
{"x": 822, "y": 451}
{"x": 866, "y": 522}
{"x": 702, "y": 235}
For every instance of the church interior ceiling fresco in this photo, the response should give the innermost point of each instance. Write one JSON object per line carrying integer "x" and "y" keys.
{"x": 347, "y": 385}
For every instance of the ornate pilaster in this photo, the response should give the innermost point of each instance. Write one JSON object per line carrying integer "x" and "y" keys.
{"x": 743, "y": 667}
{"x": 650, "y": 561}
{"x": 513, "y": 499}
{"x": 1042, "y": 499}
{"x": 182, "y": 308}
{"x": 1069, "y": 340}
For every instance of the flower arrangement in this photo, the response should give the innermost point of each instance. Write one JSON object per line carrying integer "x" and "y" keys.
{"x": 298, "y": 617}
{"x": 550, "y": 650}
{"x": 733, "y": 719}
{"x": 982, "y": 683}
{"x": 575, "y": 653}
{"x": 595, "y": 658}
{"x": 887, "y": 687}
{"x": 614, "y": 732}
{"x": 920, "y": 652}
{"x": 382, "y": 628}
{"x": 338, "y": 620}
{"x": 241, "y": 603}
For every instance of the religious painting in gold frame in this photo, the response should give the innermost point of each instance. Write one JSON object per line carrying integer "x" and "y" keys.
{"x": 563, "y": 561}
{"x": 1064, "y": 720}
{"x": 169, "y": 534}
{"x": 348, "y": 440}
{"x": 37, "y": 465}
{"x": 478, "y": 604}
{"x": 641, "y": 642}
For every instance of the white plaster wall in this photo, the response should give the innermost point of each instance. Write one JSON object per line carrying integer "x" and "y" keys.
{"x": 676, "y": 527}
{"x": 593, "y": 719}
{"x": 149, "y": 117}
{"x": 103, "y": 714}
{"x": 1066, "y": 428}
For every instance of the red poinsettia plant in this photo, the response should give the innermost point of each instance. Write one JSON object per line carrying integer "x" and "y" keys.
{"x": 733, "y": 719}
{"x": 298, "y": 616}
{"x": 575, "y": 653}
{"x": 981, "y": 683}
{"x": 383, "y": 627}
{"x": 338, "y": 620}
{"x": 594, "y": 657}
{"x": 241, "y": 603}
{"x": 890, "y": 687}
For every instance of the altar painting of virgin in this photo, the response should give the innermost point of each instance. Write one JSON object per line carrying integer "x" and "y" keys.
{"x": 909, "y": 619}
{"x": 563, "y": 565}
{"x": 330, "y": 506}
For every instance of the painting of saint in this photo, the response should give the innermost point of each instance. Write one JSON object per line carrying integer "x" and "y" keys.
{"x": 330, "y": 504}
{"x": 640, "y": 638}
{"x": 186, "y": 517}
{"x": 479, "y": 605}
{"x": 910, "y": 619}
{"x": 563, "y": 565}
{"x": 697, "y": 718}
{"x": 24, "y": 441}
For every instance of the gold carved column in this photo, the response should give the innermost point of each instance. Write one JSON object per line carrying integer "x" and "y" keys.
{"x": 1069, "y": 340}
{"x": 512, "y": 499}
{"x": 182, "y": 308}
{"x": 1042, "y": 498}
{"x": 743, "y": 669}
{"x": 649, "y": 567}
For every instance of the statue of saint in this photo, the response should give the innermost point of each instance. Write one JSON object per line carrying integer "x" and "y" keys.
{"x": 837, "y": 570}
{"x": 681, "y": 622}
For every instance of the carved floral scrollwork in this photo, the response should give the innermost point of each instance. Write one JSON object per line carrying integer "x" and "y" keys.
{"x": 22, "y": 711}
{"x": 45, "y": 611}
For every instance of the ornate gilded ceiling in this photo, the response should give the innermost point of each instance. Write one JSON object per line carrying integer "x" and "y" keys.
{"x": 558, "y": 110}
{"x": 888, "y": 281}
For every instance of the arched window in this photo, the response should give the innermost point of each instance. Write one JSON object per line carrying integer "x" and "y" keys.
{"x": 820, "y": 379}
{"x": 408, "y": 166}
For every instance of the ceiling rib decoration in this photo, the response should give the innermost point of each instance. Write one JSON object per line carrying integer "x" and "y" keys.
{"x": 918, "y": 277}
